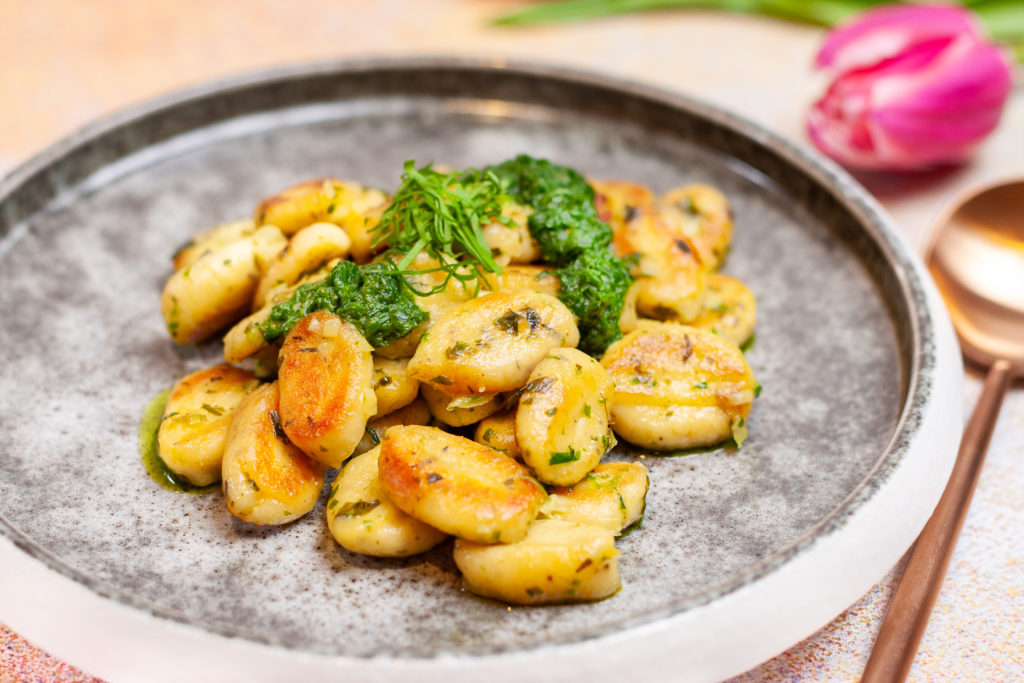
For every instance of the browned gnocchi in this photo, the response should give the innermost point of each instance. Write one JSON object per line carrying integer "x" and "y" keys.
{"x": 386, "y": 330}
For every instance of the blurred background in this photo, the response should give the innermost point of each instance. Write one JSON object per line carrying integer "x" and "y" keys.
{"x": 67, "y": 62}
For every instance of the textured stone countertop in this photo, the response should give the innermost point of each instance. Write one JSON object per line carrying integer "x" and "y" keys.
{"x": 67, "y": 62}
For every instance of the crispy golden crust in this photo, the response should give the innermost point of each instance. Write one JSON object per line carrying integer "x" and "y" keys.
{"x": 458, "y": 485}
{"x": 267, "y": 480}
{"x": 326, "y": 377}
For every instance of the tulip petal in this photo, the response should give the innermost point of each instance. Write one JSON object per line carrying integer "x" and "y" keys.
{"x": 931, "y": 103}
{"x": 887, "y": 31}
{"x": 940, "y": 115}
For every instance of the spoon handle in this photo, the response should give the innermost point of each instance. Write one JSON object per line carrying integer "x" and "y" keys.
{"x": 912, "y": 602}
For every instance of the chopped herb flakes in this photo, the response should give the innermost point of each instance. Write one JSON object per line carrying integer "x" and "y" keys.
{"x": 561, "y": 457}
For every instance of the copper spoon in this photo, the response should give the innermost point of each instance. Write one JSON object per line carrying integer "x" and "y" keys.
{"x": 977, "y": 260}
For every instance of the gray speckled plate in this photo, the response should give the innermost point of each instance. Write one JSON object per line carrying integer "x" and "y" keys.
{"x": 742, "y": 553}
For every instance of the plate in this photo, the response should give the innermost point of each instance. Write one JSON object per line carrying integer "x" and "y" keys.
{"x": 742, "y": 552}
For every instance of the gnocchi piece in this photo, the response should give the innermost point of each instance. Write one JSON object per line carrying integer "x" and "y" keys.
{"x": 562, "y": 418}
{"x": 491, "y": 344}
{"x": 308, "y": 249}
{"x": 266, "y": 479}
{"x": 416, "y": 413}
{"x": 730, "y": 309}
{"x": 392, "y": 385}
{"x": 612, "y": 496}
{"x": 216, "y": 289}
{"x": 511, "y": 241}
{"x": 457, "y": 485}
{"x": 678, "y": 387}
{"x": 459, "y": 411}
{"x": 556, "y": 562}
{"x": 499, "y": 432}
{"x": 245, "y": 339}
{"x": 326, "y": 378}
{"x": 670, "y": 277}
{"x": 629, "y": 319}
{"x": 326, "y": 199}
{"x": 210, "y": 239}
{"x": 196, "y": 420}
{"x": 618, "y": 202}
{"x": 363, "y": 519}
{"x": 535, "y": 278}
{"x": 702, "y": 213}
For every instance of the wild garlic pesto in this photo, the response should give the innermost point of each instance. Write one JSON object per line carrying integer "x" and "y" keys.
{"x": 442, "y": 214}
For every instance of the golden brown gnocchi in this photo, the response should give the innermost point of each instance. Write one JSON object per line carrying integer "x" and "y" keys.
{"x": 678, "y": 387}
{"x": 499, "y": 432}
{"x": 266, "y": 479}
{"x": 326, "y": 377}
{"x": 459, "y": 411}
{"x": 475, "y": 287}
{"x": 216, "y": 289}
{"x": 392, "y": 385}
{"x": 197, "y": 418}
{"x": 363, "y": 519}
{"x": 612, "y": 495}
{"x": 457, "y": 485}
{"x": 490, "y": 344}
{"x": 308, "y": 249}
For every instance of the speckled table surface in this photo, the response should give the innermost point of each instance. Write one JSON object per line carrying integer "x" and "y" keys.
{"x": 66, "y": 63}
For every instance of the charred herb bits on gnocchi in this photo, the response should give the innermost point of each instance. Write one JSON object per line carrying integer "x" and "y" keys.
{"x": 562, "y": 418}
{"x": 457, "y": 485}
{"x": 679, "y": 387}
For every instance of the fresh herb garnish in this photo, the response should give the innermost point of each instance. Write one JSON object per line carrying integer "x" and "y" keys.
{"x": 443, "y": 214}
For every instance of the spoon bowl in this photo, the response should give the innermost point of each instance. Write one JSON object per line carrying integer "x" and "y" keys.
{"x": 977, "y": 261}
{"x": 976, "y": 258}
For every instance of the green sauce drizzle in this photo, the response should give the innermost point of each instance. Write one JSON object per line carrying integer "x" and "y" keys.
{"x": 149, "y": 425}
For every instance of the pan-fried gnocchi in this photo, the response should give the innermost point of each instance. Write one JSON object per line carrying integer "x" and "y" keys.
{"x": 679, "y": 387}
{"x": 556, "y": 562}
{"x": 562, "y": 418}
{"x": 363, "y": 519}
{"x": 392, "y": 385}
{"x": 459, "y": 411}
{"x": 196, "y": 421}
{"x": 457, "y": 485}
{"x": 416, "y": 413}
{"x": 499, "y": 432}
{"x": 545, "y": 315}
{"x": 490, "y": 344}
{"x": 612, "y": 495}
{"x": 266, "y": 479}
{"x": 326, "y": 377}
{"x": 307, "y": 250}
{"x": 216, "y": 289}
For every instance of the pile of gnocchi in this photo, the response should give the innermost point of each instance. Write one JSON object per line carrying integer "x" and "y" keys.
{"x": 485, "y": 423}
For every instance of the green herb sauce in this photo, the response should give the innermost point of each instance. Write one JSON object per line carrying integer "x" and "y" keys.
{"x": 572, "y": 238}
{"x": 375, "y": 298}
{"x": 443, "y": 214}
{"x": 149, "y": 425}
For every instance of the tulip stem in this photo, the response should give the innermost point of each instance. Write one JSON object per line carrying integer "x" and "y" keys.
{"x": 1004, "y": 19}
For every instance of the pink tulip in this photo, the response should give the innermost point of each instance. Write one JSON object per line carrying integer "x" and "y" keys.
{"x": 915, "y": 86}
